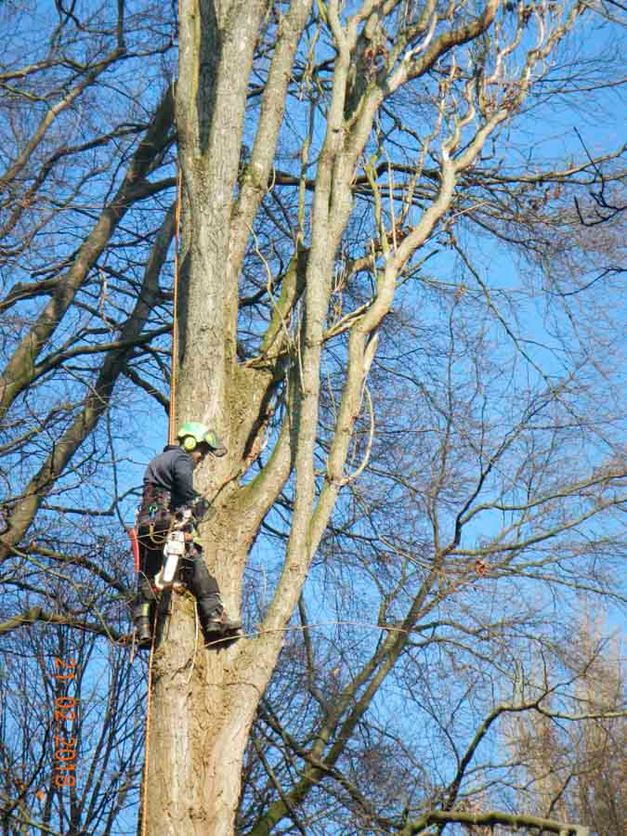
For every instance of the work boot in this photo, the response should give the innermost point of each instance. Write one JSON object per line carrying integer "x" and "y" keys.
{"x": 143, "y": 633}
{"x": 218, "y": 625}
{"x": 143, "y": 625}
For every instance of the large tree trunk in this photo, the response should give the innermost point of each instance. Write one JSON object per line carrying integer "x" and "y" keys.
{"x": 203, "y": 701}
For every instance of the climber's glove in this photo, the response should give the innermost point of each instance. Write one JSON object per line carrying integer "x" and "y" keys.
{"x": 200, "y": 508}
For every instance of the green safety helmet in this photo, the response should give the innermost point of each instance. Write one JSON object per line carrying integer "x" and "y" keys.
{"x": 193, "y": 433}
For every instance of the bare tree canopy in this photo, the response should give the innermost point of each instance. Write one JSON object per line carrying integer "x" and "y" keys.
{"x": 387, "y": 237}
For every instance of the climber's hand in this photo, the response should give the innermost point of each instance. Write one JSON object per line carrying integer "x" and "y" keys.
{"x": 200, "y": 508}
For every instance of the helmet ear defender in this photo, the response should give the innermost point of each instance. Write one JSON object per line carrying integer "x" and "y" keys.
{"x": 189, "y": 443}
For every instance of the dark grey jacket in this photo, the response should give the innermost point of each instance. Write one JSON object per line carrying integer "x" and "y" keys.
{"x": 173, "y": 471}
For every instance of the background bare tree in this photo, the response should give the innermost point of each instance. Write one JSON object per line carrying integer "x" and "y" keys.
{"x": 400, "y": 253}
{"x": 105, "y": 729}
{"x": 576, "y": 764}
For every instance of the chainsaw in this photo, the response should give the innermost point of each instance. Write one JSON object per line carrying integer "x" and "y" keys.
{"x": 174, "y": 550}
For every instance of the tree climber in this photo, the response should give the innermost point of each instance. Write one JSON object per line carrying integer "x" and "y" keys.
{"x": 168, "y": 493}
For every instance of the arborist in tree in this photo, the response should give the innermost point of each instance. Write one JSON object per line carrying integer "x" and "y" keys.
{"x": 166, "y": 525}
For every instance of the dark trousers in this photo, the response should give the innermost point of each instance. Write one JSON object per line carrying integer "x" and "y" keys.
{"x": 192, "y": 570}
